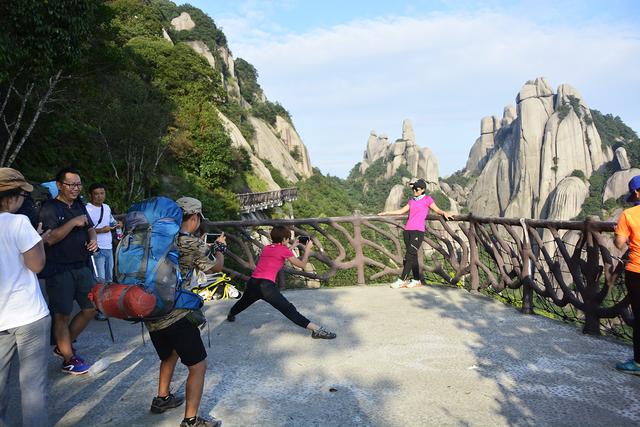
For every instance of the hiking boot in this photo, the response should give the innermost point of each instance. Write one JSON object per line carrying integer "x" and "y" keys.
{"x": 629, "y": 367}
{"x": 200, "y": 422}
{"x": 161, "y": 404}
{"x": 399, "y": 284}
{"x": 231, "y": 318}
{"x": 56, "y": 352}
{"x": 323, "y": 334}
{"x": 75, "y": 366}
{"x": 414, "y": 283}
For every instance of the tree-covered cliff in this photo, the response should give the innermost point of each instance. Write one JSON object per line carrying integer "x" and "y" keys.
{"x": 135, "y": 99}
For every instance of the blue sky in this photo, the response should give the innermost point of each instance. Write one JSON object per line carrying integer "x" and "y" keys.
{"x": 345, "y": 68}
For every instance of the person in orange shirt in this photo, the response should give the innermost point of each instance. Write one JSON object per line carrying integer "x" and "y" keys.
{"x": 628, "y": 233}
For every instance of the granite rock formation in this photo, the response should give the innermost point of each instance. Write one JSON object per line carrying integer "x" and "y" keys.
{"x": 279, "y": 144}
{"x": 618, "y": 184}
{"x": 420, "y": 162}
{"x": 523, "y": 160}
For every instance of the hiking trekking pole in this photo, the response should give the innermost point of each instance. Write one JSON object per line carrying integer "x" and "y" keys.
{"x": 95, "y": 271}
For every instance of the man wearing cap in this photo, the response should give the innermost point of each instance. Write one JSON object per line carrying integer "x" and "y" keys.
{"x": 418, "y": 208}
{"x": 176, "y": 335}
{"x": 67, "y": 272}
{"x": 24, "y": 316}
{"x": 628, "y": 233}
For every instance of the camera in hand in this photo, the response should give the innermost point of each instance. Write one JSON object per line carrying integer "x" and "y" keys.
{"x": 303, "y": 239}
{"x": 211, "y": 237}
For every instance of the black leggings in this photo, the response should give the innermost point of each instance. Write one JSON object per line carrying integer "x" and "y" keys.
{"x": 412, "y": 241}
{"x": 632, "y": 280}
{"x": 267, "y": 290}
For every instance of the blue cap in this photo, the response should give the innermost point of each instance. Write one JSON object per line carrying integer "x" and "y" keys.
{"x": 634, "y": 184}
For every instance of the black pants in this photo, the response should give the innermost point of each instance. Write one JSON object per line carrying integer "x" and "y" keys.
{"x": 263, "y": 289}
{"x": 632, "y": 280}
{"x": 412, "y": 241}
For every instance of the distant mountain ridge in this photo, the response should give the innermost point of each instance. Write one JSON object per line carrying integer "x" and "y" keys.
{"x": 544, "y": 158}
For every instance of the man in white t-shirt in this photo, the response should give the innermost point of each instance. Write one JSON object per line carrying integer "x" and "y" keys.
{"x": 24, "y": 316}
{"x": 104, "y": 223}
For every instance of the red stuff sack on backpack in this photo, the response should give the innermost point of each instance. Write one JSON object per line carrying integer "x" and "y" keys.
{"x": 122, "y": 301}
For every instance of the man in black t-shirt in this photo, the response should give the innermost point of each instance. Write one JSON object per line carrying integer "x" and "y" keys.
{"x": 68, "y": 274}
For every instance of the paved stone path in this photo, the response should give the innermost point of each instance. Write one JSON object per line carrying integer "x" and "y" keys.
{"x": 407, "y": 357}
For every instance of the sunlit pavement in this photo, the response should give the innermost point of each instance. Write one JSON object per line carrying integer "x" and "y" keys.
{"x": 403, "y": 357}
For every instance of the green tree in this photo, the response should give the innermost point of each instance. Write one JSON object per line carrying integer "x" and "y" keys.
{"x": 135, "y": 18}
{"x": 247, "y": 80}
{"x": 40, "y": 43}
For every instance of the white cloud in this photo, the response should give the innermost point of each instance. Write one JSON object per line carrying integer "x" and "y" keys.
{"x": 442, "y": 71}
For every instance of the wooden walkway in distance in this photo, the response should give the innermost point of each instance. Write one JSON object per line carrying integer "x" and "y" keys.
{"x": 252, "y": 202}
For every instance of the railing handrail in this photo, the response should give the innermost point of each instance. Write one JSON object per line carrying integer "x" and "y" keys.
{"x": 595, "y": 225}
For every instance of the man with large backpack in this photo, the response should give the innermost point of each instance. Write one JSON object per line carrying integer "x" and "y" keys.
{"x": 176, "y": 334}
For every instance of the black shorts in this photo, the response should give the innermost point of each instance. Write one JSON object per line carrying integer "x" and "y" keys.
{"x": 63, "y": 288}
{"x": 183, "y": 337}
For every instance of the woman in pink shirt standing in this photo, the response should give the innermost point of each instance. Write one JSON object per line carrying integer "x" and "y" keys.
{"x": 418, "y": 208}
{"x": 262, "y": 285}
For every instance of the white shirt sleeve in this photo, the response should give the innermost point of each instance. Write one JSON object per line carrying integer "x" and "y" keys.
{"x": 26, "y": 237}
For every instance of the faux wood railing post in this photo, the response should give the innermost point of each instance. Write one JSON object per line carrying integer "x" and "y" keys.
{"x": 592, "y": 276}
{"x": 357, "y": 246}
{"x": 525, "y": 276}
{"x": 473, "y": 256}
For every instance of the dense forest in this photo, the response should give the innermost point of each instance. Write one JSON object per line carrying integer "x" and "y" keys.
{"x": 95, "y": 85}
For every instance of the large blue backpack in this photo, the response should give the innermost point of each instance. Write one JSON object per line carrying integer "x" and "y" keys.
{"x": 147, "y": 256}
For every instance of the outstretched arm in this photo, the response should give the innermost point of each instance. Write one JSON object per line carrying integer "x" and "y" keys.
{"x": 439, "y": 211}
{"x": 401, "y": 211}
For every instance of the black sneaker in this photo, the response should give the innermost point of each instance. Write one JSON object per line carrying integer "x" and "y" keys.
{"x": 200, "y": 422}
{"x": 231, "y": 318}
{"x": 161, "y": 404}
{"x": 322, "y": 333}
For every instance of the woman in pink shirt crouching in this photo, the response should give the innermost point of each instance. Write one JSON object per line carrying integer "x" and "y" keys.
{"x": 262, "y": 284}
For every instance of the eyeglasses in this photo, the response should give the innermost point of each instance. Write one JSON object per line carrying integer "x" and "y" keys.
{"x": 73, "y": 184}
{"x": 24, "y": 194}
{"x": 417, "y": 188}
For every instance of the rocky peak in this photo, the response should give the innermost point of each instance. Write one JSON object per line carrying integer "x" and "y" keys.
{"x": 538, "y": 88}
{"x": 509, "y": 115}
{"x": 522, "y": 163}
{"x": 623, "y": 160}
{"x": 420, "y": 162}
{"x": 183, "y": 22}
{"x": 407, "y": 132}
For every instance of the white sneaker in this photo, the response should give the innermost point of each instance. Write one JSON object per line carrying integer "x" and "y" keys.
{"x": 399, "y": 283}
{"x": 413, "y": 283}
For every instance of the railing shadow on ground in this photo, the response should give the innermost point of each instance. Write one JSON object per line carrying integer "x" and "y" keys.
{"x": 259, "y": 361}
{"x": 543, "y": 374}
{"x": 566, "y": 269}
{"x": 428, "y": 356}
{"x": 352, "y": 246}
